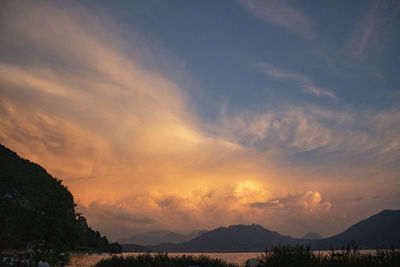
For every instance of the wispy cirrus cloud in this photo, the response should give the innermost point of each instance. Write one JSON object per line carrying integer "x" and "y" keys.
{"x": 281, "y": 14}
{"x": 296, "y": 129}
{"x": 374, "y": 28}
{"x": 308, "y": 86}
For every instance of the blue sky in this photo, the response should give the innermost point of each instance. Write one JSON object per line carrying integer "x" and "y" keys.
{"x": 182, "y": 115}
{"x": 350, "y": 48}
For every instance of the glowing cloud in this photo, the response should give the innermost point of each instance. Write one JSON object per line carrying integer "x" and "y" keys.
{"x": 83, "y": 97}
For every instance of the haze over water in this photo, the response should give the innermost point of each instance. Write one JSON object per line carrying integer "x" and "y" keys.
{"x": 177, "y": 115}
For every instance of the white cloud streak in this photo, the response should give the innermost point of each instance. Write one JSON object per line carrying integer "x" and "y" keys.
{"x": 304, "y": 82}
{"x": 374, "y": 28}
{"x": 281, "y": 14}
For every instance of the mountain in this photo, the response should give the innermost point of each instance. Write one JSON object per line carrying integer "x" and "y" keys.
{"x": 33, "y": 204}
{"x": 160, "y": 236}
{"x": 378, "y": 231}
{"x": 37, "y": 209}
{"x": 235, "y": 238}
{"x": 314, "y": 236}
{"x": 133, "y": 248}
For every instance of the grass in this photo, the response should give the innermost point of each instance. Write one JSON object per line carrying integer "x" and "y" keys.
{"x": 288, "y": 256}
{"x": 279, "y": 256}
{"x": 163, "y": 260}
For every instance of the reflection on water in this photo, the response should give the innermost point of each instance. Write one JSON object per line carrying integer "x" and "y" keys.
{"x": 89, "y": 260}
{"x": 238, "y": 258}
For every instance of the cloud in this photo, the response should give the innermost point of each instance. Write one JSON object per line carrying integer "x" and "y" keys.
{"x": 305, "y": 83}
{"x": 282, "y": 14}
{"x": 374, "y": 28}
{"x": 358, "y": 199}
{"x": 226, "y": 206}
{"x": 296, "y": 129}
{"x": 310, "y": 202}
{"x": 96, "y": 113}
{"x": 115, "y": 220}
{"x": 271, "y": 203}
{"x": 104, "y": 211}
{"x": 90, "y": 105}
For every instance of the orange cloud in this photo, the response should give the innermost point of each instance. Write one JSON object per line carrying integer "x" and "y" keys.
{"x": 92, "y": 108}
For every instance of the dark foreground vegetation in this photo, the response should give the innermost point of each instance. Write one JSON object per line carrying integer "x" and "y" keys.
{"x": 280, "y": 256}
{"x": 163, "y": 260}
{"x": 288, "y": 256}
{"x": 38, "y": 217}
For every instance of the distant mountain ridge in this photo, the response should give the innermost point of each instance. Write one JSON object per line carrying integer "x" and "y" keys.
{"x": 378, "y": 231}
{"x": 311, "y": 235}
{"x": 160, "y": 236}
{"x": 235, "y": 238}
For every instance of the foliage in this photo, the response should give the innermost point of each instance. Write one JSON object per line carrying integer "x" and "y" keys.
{"x": 93, "y": 240}
{"x": 38, "y": 212}
{"x": 163, "y": 260}
{"x": 288, "y": 256}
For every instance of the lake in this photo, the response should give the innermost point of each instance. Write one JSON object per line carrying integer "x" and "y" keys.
{"x": 237, "y": 258}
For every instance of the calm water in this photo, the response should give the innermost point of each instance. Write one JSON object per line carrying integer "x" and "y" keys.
{"x": 238, "y": 258}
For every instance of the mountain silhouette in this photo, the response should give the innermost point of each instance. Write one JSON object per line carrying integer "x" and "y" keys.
{"x": 160, "y": 236}
{"x": 133, "y": 248}
{"x": 235, "y": 238}
{"x": 37, "y": 209}
{"x": 379, "y": 231}
{"x": 311, "y": 235}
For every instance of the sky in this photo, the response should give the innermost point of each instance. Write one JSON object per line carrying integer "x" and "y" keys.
{"x": 183, "y": 115}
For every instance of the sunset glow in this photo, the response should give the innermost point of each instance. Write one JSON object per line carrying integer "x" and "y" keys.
{"x": 151, "y": 128}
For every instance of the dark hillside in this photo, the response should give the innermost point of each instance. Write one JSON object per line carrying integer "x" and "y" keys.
{"x": 38, "y": 211}
{"x": 378, "y": 231}
{"x": 235, "y": 238}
